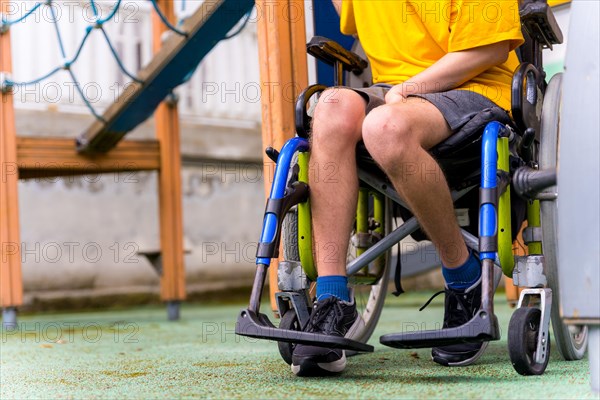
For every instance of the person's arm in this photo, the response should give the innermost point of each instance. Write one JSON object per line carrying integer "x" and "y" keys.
{"x": 337, "y": 4}
{"x": 451, "y": 71}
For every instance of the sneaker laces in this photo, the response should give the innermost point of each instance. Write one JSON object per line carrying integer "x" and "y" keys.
{"x": 431, "y": 299}
{"x": 325, "y": 316}
{"x": 451, "y": 318}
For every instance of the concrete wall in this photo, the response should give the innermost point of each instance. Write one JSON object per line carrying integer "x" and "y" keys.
{"x": 80, "y": 235}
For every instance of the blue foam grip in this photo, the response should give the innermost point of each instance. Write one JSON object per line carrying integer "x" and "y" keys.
{"x": 284, "y": 161}
{"x": 488, "y": 219}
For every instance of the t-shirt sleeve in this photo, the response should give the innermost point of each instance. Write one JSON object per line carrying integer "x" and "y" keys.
{"x": 475, "y": 23}
{"x": 347, "y": 23}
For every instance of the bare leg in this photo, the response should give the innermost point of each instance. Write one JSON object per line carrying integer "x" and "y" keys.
{"x": 397, "y": 137}
{"x": 333, "y": 178}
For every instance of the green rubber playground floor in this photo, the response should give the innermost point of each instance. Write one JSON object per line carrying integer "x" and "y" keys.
{"x": 136, "y": 353}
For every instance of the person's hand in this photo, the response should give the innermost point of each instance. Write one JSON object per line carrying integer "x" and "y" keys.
{"x": 395, "y": 95}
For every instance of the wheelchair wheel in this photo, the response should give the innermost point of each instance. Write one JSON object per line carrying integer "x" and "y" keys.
{"x": 369, "y": 297}
{"x": 289, "y": 320}
{"x": 523, "y": 332}
{"x": 571, "y": 340}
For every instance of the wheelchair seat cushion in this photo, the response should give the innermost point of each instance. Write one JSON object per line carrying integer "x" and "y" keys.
{"x": 470, "y": 131}
{"x": 459, "y": 156}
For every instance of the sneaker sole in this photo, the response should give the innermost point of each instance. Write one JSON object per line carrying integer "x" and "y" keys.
{"x": 311, "y": 368}
{"x": 463, "y": 363}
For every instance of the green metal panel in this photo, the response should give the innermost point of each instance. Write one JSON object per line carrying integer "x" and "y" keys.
{"x": 305, "y": 224}
{"x": 505, "y": 253}
{"x": 533, "y": 220}
{"x": 362, "y": 216}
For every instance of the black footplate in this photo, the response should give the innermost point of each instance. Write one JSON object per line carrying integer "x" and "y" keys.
{"x": 483, "y": 327}
{"x": 258, "y": 326}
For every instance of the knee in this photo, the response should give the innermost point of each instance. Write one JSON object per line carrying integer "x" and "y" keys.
{"x": 338, "y": 118}
{"x": 387, "y": 135}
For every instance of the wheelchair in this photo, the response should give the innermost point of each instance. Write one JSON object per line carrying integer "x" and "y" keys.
{"x": 501, "y": 169}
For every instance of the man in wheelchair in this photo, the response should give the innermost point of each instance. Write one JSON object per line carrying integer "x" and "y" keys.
{"x": 436, "y": 127}
{"x": 435, "y": 66}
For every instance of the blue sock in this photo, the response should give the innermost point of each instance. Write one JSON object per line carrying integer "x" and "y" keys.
{"x": 332, "y": 286}
{"x": 464, "y": 276}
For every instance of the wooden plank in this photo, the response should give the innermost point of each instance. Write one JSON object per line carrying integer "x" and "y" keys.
{"x": 167, "y": 70}
{"x": 52, "y": 156}
{"x": 172, "y": 285}
{"x": 11, "y": 284}
{"x": 298, "y": 46}
{"x": 283, "y": 72}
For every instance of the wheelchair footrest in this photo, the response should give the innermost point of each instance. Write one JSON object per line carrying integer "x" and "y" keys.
{"x": 482, "y": 327}
{"x": 258, "y": 326}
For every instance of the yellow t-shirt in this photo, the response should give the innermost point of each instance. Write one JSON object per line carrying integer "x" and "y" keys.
{"x": 554, "y": 3}
{"x": 404, "y": 37}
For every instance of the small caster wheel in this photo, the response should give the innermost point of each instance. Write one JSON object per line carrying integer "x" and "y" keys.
{"x": 289, "y": 320}
{"x": 523, "y": 331}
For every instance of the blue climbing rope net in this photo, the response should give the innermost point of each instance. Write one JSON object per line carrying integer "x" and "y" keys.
{"x": 98, "y": 24}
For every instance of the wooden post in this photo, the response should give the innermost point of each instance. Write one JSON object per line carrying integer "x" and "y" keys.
{"x": 169, "y": 190}
{"x": 11, "y": 285}
{"x": 519, "y": 249}
{"x": 283, "y": 74}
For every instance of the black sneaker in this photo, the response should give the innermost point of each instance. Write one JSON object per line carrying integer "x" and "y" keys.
{"x": 460, "y": 306}
{"x": 331, "y": 316}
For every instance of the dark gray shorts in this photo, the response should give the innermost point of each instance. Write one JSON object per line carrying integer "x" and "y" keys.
{"x": 457, "y": 106}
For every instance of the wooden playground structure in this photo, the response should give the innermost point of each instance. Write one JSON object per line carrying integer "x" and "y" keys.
{"x": 101, "y": 148}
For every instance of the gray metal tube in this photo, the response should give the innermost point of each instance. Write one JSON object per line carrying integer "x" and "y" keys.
{"x": 257, "y": 287}
{"x": 487, "y": 291}
{"x": 382, "y": 246}
{"x": 472, "y": 242}
{"x": 528, "y": 182}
